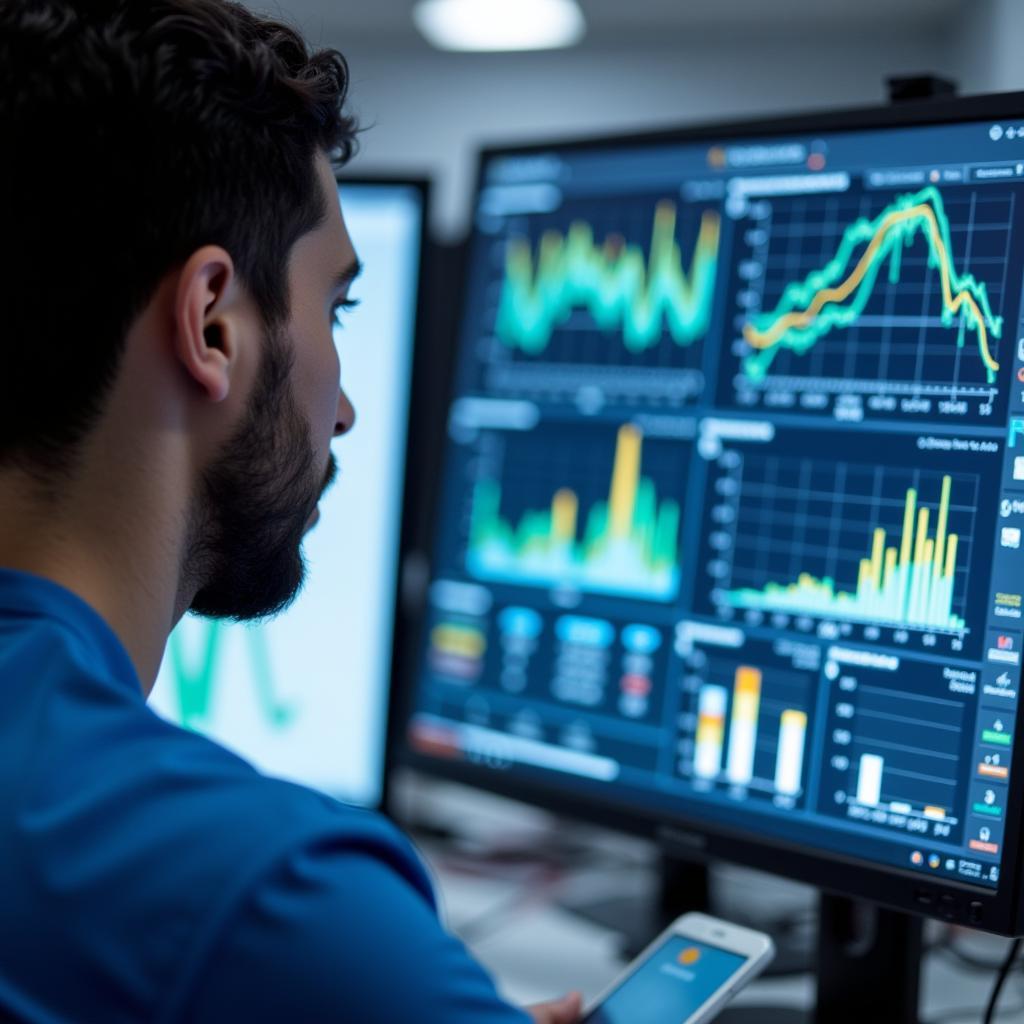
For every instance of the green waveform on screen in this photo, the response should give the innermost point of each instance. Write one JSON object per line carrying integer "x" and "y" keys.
{"x": 836, "y": 295}
{"x": 613, "y": 281}
{"x": 196, "y": 679}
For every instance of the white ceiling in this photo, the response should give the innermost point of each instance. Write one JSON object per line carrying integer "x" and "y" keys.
{"x": 388, "y": 21}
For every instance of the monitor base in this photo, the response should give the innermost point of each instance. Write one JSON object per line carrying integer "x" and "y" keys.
{"x": 767, "y": 1015}
{"x": 867, "y": 963}
{"x": 683, "y": 886}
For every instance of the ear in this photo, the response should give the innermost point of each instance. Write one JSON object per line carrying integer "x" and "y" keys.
{"x": 205, "y": 315}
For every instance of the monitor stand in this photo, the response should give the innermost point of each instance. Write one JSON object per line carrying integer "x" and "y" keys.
{"x": 869, "y": 966}
{"x": 682, "y": 886}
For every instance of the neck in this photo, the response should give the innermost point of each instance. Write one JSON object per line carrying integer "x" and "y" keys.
{"x": 108, "y": 537}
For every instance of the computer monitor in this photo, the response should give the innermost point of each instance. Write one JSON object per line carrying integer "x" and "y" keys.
{"x": 731, "y": 536}
{"x": 306, "y": 695}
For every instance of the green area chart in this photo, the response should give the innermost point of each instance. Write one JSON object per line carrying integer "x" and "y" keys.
{"x": 623, "y": 290}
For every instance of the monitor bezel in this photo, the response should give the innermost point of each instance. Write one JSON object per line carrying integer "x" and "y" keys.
{"x": 994, "y": 910}
{"x": 423, "y": 186}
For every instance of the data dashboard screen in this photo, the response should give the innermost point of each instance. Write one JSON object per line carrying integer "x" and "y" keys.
{"x": 305, "y": 696}
{"x": 734, "y": 495}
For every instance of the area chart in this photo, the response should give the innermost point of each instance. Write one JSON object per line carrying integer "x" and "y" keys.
{"x": 626, "y": 544}
{"x": 639, "y": 297}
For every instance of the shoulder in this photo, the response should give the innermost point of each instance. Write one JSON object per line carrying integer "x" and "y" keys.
{"x": 347, "y": 938}
{"x": 128, "y": 844}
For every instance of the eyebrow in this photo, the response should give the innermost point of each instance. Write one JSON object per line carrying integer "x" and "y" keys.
{"x": 347, "y": 275}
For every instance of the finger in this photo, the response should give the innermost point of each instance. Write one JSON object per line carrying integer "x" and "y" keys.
{"x": 562, "y": 1011}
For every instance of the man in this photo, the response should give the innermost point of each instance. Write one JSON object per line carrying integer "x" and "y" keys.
{"x": 172, "y": 261}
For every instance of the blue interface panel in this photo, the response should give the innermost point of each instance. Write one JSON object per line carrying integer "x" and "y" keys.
{"x": 733, "y": 503}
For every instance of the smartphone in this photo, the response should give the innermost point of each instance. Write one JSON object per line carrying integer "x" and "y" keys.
{"x": 685, "y": 976}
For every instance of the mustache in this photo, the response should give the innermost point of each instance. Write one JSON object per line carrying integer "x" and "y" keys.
{"x": 330, "y": 475}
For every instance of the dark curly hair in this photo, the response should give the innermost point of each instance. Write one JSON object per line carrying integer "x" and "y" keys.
{"x": 131, "y": 134}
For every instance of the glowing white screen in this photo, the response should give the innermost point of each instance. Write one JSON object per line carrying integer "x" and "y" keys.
{"x": 305, "y": 696}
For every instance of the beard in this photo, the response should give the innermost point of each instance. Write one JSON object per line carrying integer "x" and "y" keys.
{"x": 255, "y": 502}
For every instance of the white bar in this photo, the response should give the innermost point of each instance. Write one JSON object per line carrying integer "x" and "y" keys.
{"x": 742, "y": 739}
{"x": 502, "y": 200}
{"x": 790, "y": 184}
{"x": 711, "y": 707}
{"x": 743, "y": 729}
{"x": 496, "y": 413}
{"x": 869, "y": 780}
{"x": 500, "y": 746}
{"x": 789, "y": 764}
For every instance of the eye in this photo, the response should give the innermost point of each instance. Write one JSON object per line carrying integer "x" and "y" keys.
{"x": 342, "y": 306}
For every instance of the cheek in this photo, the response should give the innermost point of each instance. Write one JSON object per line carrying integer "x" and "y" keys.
{"x": 330, "y": 384}
{"x": 317, "y": 374}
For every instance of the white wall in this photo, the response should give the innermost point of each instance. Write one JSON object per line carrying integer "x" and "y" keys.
{"x": 429, "y": 111}
{"x": 986, "y": 54}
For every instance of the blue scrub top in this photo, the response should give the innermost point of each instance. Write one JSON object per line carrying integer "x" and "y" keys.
{"x": 150, "y": 875}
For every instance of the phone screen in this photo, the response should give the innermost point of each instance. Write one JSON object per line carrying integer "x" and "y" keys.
{"x": 672, "y": 983}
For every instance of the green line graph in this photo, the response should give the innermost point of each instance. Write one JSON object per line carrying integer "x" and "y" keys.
{"x": 621, "y": 288}
{"x": 836, "y": 295}
{"x": 196, "y": 679}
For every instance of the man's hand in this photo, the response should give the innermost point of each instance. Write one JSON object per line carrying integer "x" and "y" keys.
{"x": 562, "y": 1011}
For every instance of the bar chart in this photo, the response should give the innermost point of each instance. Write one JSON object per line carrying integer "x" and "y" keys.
{"x": 819, "y": 537}
{"x": 896, "y": 741}
{"x": 869, "y": 793}
{"x": 743, "y": 726}
{"x": 747, "y": 731}
{"x": 910, "y": 582}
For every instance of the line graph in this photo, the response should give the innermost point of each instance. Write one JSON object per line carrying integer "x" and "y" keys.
{"x": 811, "y": 308}
{"x": 637, "y": 296}
{"x": 869, "y": 304}
{"x": 196, "y": 672}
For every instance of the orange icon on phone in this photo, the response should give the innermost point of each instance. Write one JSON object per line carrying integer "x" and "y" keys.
{"x": 689, "y": 956}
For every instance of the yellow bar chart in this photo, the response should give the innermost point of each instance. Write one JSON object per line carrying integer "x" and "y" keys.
{"x": 730, "y": 723}
{"x": 908, "y": 582}
{"x": 626, "y": 544}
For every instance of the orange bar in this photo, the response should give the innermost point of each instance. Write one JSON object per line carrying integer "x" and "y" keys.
{"x": 994, "y": 771}
{"x": 977, "y": 844}
{"x": 625, "y": 482}
{"x": 564, "y": 510}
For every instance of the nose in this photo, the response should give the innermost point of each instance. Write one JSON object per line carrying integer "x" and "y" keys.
{"x": 346, "y": 415}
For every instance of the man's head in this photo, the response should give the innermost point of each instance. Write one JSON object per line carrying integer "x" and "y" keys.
{"x": 170, "y": 228}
